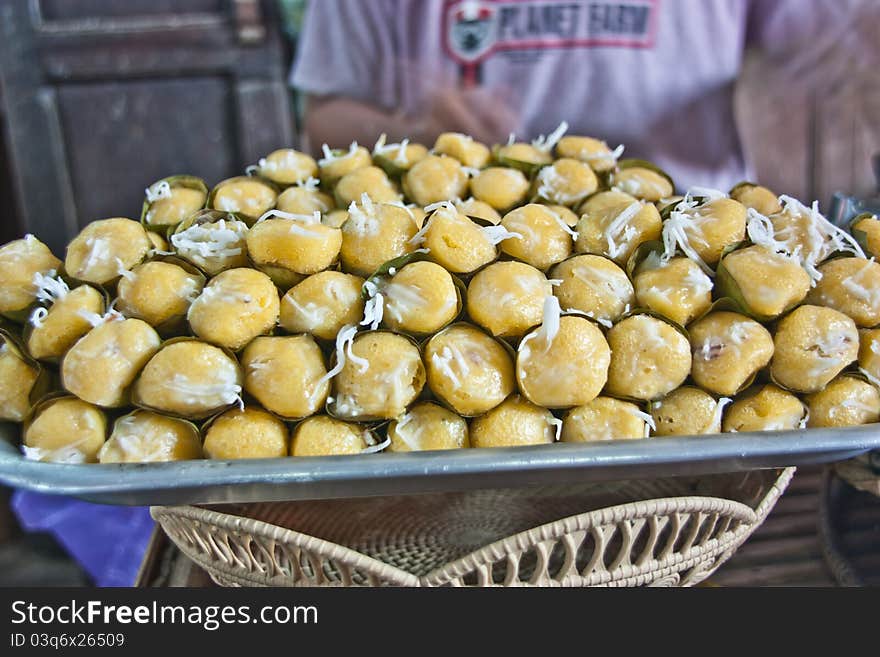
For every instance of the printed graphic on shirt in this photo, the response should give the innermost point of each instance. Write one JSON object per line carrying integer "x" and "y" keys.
{"x": 474, "y": 29}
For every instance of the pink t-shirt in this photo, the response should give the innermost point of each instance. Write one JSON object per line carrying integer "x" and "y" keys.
{"x": 655, "y": 75}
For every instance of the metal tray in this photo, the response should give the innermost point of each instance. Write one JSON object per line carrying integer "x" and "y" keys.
{"x": 204, "y": 482}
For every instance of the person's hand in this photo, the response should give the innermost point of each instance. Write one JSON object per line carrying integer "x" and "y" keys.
{"x": 479, "y": 112}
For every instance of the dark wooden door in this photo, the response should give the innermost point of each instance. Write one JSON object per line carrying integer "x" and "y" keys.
{"x": 103, "y": 97}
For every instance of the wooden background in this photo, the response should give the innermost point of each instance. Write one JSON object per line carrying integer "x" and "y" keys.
{"x": 811, "y": 124}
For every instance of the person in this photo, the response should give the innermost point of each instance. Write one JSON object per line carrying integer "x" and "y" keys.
{"x": 656, "y": 76}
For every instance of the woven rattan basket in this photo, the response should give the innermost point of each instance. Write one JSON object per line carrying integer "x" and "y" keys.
{"x": 661, "y": 532}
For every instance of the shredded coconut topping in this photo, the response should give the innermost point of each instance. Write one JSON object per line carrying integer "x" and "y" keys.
{"x": 447, "y": 205}
{"x": 871, "y": 378}
{"x": 314, "y": 218}
{"x": 374, "y": 308}
{"x": 647, "y": 418}
{"x": 362, "y": 218}
{"x": 547, "y": 143}
{"x": 675, "y": 236}
{"x": 122, "y": 271}
{"x": 381, "y": 148}
{"x": 411, "y": 436}
{"x": 227, "y": 391}
{"x": 330, "y": 157}
{"x": 612, "y": 157}
{"x": 50, "y": 287}
{"x": 564, "y": 226}
{"x": 310, "y": 184}
{"x": 497, "y": 234}
{"x": 719, "y": 409}
{"x": 372, "y": 449}
{"x": 442, "y": 362}
{"x": 617, "y": 229}
{"x": 99, "y": 253}
{"x": 867, "y": 293}
{"x": 602, "y": 321}
{"x": 214, "y": 242}
{"x": 344, "y": 340}
{"x": 820, "y": 237}
{"x": 547, "y": 331}
{"x": 158, "y": 190}
{"x": 66, "y": 454}
{"x": 707, "y": 193}
{"x": 112, "y": 315}
{"x": 36, "y": 319}
{"x": 556, "y": 423}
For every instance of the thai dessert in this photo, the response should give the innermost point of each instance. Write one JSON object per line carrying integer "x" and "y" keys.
{"x": 250, "y": 198}
{"x": 286, "y": 166}
{"x": 649, "y": 358}
{"x": 463, "y": 148}
{"x": 501, "y": 188}
{"x": 540, "y": 237}
{"x": 564, "y": 362}
{"x": 61, "y": 319}
{"x": 756, "y": 197}
{"x": 845, "y": 402}
{"x": 65, "y": 430}
{"x": 338, "y": 162}
{"x": 766, "y": 283}
{"x": 18, "y": 377}
{"x": 687, "y": 411}
{"x": 323, "y": 304}
{"x": 397, "y": 298}
{"x": 728, "y": 349}
{"x": 852, "y": 286}
{"x": 677, "y": 289}
{"x": 594, "y": 286}
{"x": 419, "y": 299}
{"x": 324, "y": 436}
{"x": 212, "y": 241}
{"x": 236, "y": 306}
{"x": 105, "y": 249}
{"x": 467, "y": 370}
{"x": 286, "y": 374}
{"x": 103, "y": 364}
{"x": 371, "y": 180}
{"x": 605, "y": 418}
{"x": 812, "y": 345}
{"x": 764, "y": 407}
{"x": 190, "y": 379}
{"x": 593, "y": 151}
{"x": 147, "y": 437}
{"x": 293, "y": 242}
{"x": 455, "y": 242}
{"x": 158, "y": 292}
{"x": 516, "y": 421}
{"x": 614, "y": 223}
{"x": 171, "y": 200}
{"x": 566, "y": 182}
{"x": 374, "y": 234}
{"x": 507, "y": 298}
{"x": 246, "y": 433}
{"x": 376, "y": 375}
{"x": 435, "y": 178}
{"x": 427, "y": 426}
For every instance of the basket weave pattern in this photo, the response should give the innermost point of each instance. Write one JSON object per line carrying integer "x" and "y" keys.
{"x": 668, "y": 541}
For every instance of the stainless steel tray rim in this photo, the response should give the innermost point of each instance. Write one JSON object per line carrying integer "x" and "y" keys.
{"x": 205, "y": 481}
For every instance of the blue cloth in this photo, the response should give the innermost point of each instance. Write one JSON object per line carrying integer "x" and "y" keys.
{"x": 107, "y": 541}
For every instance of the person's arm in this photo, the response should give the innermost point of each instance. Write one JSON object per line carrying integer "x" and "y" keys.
{"x": 814, "y": 40}
{"x": 339, "y": 120}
